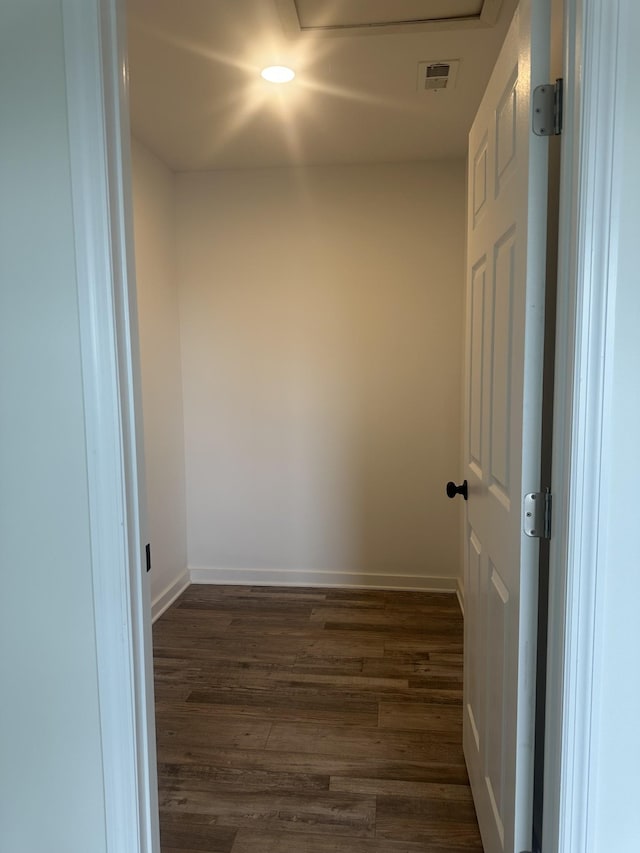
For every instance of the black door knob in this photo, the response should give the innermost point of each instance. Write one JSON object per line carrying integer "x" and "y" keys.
{"x": 453, "y": 490}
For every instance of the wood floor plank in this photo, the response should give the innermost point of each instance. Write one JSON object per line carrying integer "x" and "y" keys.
{"x": 305, "y": 714}
{"x": 176, "y": 616}
{"x": 311, "y": 721}
{"x": 396, "y": 788}
{"x": 166, "y": 849}
{"x": 312, "y": 763}
{"x": 273, "y": 650}
{"x": 327, "y": 664}
{"x": 285, "y": 593}
{"x": 358, "y": 741}
{"x": 325, "y": 813}
{"x": 336, "y": 647}
{"x": 250, "y": 841}
{"x": 176, "y": 724}
{"x": 417, "y": 673}
{"x": 305, "y": 703}
{"x": 168, "y": 692}
{"x": 188, "y": 833}
{"x": 428, "y": 820}
{"x": 438, "y": 622}
{"x": 426, "y": 644}
{"x": 210, "y": 777}
{"x": 420, "y": 717}
{"x": 291, "y": 678}
{"x": 213, "y": 670}
{"x": 277, "y": 625}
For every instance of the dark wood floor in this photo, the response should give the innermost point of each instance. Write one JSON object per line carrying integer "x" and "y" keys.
{"x": 311, "y": 721}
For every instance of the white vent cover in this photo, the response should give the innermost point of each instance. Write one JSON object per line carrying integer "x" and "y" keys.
{"x": 437, "y": 75}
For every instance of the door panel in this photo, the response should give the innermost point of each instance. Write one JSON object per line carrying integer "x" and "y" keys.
{"x": 475, "y": 583}
{"x": 506, "y": 141}
{"x": 499, "y": 412}
{"x": 476, "y": 346}
{"x": 497, "y": 625}
{"x": 479, "y": 180}
{"x": 505, "y": 312}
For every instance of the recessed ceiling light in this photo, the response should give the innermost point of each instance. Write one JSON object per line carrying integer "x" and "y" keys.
{"x": 278, "y": 74}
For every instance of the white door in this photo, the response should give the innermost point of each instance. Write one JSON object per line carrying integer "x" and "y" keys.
{"x": 504, "y": 334}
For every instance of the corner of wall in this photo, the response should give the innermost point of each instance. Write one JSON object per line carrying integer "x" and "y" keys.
{"x": 460, "y": 594}
{"x": 170, "y": 593}
{"x": 154, "y": 207}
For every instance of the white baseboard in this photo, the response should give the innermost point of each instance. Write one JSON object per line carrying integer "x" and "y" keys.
{"x": 310, "y": 577}
{"x": 292, "y": 577}
{"x": 460, "y": 594}
{"x": 166, "y": 598}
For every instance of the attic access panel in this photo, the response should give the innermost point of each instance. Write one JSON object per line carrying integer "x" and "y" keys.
{"x": 361, "y": 17}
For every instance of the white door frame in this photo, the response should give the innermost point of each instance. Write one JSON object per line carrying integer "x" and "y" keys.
{"x": 586, "y": 292}
{"x": 95, "y": 51}
{"x": 99, "y": 140}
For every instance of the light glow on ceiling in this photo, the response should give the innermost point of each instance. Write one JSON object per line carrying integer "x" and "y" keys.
{"x": 278, "y": 74}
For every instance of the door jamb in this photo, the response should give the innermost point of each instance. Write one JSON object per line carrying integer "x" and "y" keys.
{"x": 99, "y": 143}
{"x": 586, "y": 287}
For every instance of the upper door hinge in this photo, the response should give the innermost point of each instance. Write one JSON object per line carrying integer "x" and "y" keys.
{"x": 537, "y": 514}
{"x": 547, "y": 109}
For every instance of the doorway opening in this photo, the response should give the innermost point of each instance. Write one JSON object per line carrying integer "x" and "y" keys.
{"x": 301, "y": 333}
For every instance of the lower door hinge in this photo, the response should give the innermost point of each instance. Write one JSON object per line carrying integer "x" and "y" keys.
{"x": 537, "y": 514}
{"x": 547, "y": 109}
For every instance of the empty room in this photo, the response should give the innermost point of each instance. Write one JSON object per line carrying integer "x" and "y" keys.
{"x": 318, "y": 361}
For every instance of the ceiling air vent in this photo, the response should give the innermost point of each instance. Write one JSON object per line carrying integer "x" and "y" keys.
{"x": 438, "y": 75}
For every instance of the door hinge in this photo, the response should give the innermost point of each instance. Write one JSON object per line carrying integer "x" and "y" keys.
{"x": 547, "y": 109}
{"x": 147, "y": 554}
{"x": 537, "y": 515}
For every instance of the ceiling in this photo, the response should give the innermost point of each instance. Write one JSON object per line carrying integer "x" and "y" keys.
{"x": 198, "y": 101}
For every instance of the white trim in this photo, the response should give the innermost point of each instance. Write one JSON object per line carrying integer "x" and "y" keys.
{"x": 312, "y": 577}
{"x": 98, "y": 137}
{"x": 290, "y": 21}
{"x": 460, "y": 595}
{"x": 166, "y": 598}
{"x": 289, "y": 578}
{"x": 585, "y": 286}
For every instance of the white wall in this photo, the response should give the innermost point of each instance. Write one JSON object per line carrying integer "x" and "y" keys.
{"x": 51, "y": 791}
{"x": 321, "y": 315}
{"x": 159, "y": 330}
